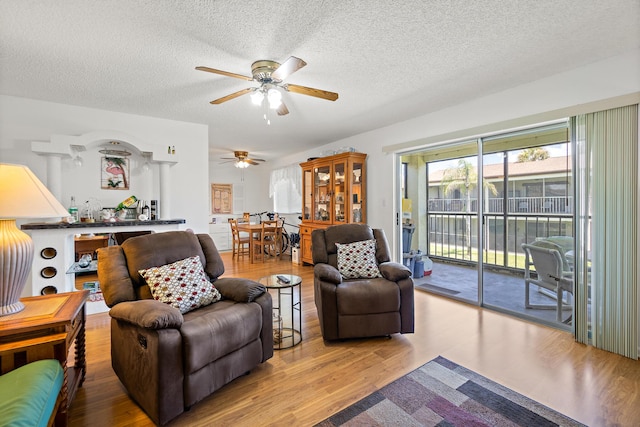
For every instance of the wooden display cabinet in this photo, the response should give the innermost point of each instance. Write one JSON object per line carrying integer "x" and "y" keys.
{"x": 333, "y": 193}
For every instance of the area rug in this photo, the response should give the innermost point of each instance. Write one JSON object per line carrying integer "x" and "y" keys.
{"x": 442, "y": 393}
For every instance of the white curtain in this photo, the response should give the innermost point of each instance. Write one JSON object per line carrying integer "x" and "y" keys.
{"x": 285, "y": 187}
{"x": 607, "y": 232}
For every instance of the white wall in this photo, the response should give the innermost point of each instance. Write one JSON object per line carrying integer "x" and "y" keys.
{"x": 250, "y": 186}
{"x": 24, "y": 120}
{"x": 573, "y": 92}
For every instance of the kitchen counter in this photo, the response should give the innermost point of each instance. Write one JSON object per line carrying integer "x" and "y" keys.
{"x": 99, "y": 224}
{"x": 54, "y": 243}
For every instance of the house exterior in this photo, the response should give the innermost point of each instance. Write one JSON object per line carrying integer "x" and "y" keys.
{"x": 538, "y": 200}
{"x": 542, "y": 186}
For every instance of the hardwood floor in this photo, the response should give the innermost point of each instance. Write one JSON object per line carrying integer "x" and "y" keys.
{"x": 303, "y": 385}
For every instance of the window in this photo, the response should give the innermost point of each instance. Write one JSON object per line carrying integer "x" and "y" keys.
{"x": 285, "y": 189}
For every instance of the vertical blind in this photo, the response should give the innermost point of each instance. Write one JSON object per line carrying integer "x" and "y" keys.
{"x": 607, "y": 262}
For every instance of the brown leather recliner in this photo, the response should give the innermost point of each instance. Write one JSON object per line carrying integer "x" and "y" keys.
{"x": 166, "y": 360}
{"x": 353, "y": 308}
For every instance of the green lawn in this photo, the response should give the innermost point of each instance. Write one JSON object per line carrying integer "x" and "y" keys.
{"x": 495, "y": 258}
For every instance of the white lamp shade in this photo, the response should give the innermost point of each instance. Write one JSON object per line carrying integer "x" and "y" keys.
{"x": 24, "y": 196}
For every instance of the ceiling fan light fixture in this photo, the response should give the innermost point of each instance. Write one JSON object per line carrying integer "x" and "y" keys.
{"x": 241, "y": 159}
{"x": 270, "y": 76}
{"x": 275, "y": 98}
{"x": 256, "y": 97}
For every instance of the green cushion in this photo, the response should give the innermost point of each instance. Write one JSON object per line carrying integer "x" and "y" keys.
{"x": 28, "y": 394}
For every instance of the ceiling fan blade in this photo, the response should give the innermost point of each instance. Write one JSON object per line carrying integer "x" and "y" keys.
{"x": 231, "y": 96}
{"x": 318, "y": 93}
{"x": 251, "y": 162}
{"x": 282, "y": 110}
{"x": 256, "y": 160}
{"x": 224, "y": 73}
{"x": 288, "y": 67}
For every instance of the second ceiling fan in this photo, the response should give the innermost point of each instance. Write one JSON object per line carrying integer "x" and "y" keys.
{"x": 270, "y": 75}
{"x": 242, "y": 159}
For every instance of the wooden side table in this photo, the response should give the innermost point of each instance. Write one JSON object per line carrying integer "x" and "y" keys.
{"x": 49, "y": 327}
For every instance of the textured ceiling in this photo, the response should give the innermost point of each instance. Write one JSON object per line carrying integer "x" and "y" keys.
{"x": 389, "y": 60}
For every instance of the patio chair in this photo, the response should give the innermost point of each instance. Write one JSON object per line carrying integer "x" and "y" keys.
{"x": 562, "y": 244}
{"x": 550, "y": 275}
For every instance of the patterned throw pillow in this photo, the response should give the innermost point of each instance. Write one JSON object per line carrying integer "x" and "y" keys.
{"x": 358, "y": 260}
{"x": 183, "y": 284}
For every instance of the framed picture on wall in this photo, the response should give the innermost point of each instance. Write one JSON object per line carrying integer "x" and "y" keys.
{"x": 114, "y": 173}
{"x": 221, "y": 198}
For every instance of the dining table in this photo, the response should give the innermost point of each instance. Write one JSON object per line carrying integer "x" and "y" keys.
{"x": 254, "y": 229}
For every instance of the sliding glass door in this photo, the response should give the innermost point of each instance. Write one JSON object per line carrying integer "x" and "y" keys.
{"x": 528, "y": 223}
{"x": 470, "y": 214}
{"x": 445, "y": 216}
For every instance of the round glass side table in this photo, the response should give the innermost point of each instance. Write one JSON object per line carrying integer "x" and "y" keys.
{"x": 287, "y": 313}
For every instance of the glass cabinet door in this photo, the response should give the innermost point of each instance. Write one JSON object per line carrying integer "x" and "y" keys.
{"x": 339, "y": 193}
{"x": 322, "y": 193}
{"x": 357, "y": 193}
{"x": 307, "y": 201}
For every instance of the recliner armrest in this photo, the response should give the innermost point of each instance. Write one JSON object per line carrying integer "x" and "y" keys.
{"x": 327, "y": 273}
{"x": 238, "y": 289}
{"x": 148, "y": 313}
{"x": 394, "y": 271}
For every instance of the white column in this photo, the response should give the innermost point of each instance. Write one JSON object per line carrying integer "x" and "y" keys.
{"x": 54, "y": 175}
{"x": 165, "y": 198}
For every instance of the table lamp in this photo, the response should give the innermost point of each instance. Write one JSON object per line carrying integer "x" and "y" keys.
{"x": 22, "y": 196}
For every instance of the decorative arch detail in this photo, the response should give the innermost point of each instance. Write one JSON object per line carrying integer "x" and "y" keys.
{"x": 66, "y": 145}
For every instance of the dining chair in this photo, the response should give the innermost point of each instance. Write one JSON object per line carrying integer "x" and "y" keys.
{"x": 275, "y": 249}
{"x": 268, "y": 238}
{"x": 240, "y": 243}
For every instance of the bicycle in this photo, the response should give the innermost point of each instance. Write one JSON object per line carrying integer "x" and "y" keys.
{"x": 292, "y": 239}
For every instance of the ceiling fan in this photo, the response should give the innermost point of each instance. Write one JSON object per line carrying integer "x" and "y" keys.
{"x": 242, "y": 159}
{"x": 270, "y": 75}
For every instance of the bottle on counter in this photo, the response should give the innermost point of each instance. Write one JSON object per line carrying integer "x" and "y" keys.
{"x": 153, "y": 210}
{"x": 73, "y": 211}
{"x": 126, "y": 203}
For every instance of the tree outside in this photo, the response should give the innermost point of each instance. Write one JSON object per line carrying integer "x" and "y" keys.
{"x": 464, "y": 178}
{"x": 533, "y": 154}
